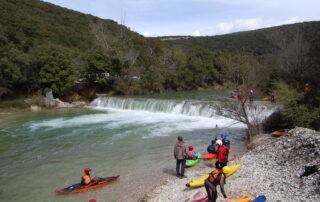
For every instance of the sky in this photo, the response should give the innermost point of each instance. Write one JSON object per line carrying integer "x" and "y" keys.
{"x": 197, "y": 17}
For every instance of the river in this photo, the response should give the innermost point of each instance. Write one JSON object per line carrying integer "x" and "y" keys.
{"x": 130, "y": 136}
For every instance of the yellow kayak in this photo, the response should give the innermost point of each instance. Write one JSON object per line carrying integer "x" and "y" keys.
{"x": 280, "y": 132}
{"x": 229, "y": 170}
{"x": 199, "y": 182}
{"x": 242, "y": 199}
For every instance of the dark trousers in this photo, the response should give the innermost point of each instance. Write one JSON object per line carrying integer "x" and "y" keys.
{"x": 221, "y": 165}
{"x": 181, "y": 164}
{"x": 211, "y": 191}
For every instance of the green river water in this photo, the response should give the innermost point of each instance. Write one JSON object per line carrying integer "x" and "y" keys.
{"x": 133, "y": 137}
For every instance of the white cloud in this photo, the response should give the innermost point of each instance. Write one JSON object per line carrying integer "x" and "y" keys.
{"x": 146, "y": 34}
{"x": 196, "y": 33}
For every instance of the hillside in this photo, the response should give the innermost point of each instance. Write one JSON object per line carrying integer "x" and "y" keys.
{"x": 35, "y": 34}
{"x": 257, "y": 42}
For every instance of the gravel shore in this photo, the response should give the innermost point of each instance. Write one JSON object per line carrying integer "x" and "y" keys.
{"x": 272, "y": 168}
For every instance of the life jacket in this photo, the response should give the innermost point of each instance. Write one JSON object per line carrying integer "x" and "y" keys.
{"x": 82, "y": 179}
{"x": 216, "y": 177}
{"x": 211, "y": 149}
{"x": 223, "y": 152}
{"x": 191, "y": 155}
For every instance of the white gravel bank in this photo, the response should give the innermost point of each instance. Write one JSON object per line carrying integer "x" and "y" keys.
{"x": 272, "y": 168}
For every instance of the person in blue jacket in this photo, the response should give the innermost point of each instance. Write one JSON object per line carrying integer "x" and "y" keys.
{"x": 224, "y": 139}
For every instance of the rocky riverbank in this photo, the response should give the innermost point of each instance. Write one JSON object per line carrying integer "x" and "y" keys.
{"x": 272, "y": 168}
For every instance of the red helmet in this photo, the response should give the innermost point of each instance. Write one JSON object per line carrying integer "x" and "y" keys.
{"x": 190, "y": 148}
{"x": 87, "y": 170}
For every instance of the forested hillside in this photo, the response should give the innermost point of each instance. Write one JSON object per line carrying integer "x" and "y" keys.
{"x": 45, "y": 46}
{"x": 257, "y": 42}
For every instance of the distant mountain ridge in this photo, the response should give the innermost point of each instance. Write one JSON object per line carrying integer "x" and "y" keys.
{"x": 257, "y": 42}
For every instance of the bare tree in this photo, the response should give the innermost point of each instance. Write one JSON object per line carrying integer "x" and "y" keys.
{"x": 243, "y": 111}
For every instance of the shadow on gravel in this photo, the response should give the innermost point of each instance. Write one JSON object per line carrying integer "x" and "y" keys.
{"x": 169, "y": 171}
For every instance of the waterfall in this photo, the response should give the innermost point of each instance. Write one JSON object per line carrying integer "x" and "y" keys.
{"x": 177, "y": 107}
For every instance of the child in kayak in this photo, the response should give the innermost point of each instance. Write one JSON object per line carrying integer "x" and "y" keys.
{"x": 191, "y": 154}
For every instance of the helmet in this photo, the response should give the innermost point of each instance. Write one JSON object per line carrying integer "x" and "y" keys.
{"x": 219, "y": 142}
{"x": 190, "y": 148}
{"x": 87, "y": 170}
{"x": 224, "y": 135}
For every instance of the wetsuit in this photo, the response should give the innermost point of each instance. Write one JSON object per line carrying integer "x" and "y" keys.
{"x": 215, "y": 178}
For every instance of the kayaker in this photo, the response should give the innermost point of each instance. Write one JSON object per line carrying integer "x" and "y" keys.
{"x": 191, "y": 154}
{"x": 212, "y": 147}
{"x": 215, "y": 178}
{"x": 251, "y": 95}
{"x": 272, "y": 98}
{"x": 180, "y": 154}
{"x": 86, "y": 179}
{"x": 222, "y": 153}
{"x": 224, "y": 139}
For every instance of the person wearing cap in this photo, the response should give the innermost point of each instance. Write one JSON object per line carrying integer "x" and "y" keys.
{"x": 224, "y": 139}
{"x": 86, "y": 179}
{"x": 180, "y": 154}
{"x": 222, "y": 155}
{"x": 191, "y": 154}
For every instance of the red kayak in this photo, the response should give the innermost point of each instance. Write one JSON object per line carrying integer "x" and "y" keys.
{"x": 241, "y": 98}
{"x": 98, "y": 182}
{"x": 209, "y": 156}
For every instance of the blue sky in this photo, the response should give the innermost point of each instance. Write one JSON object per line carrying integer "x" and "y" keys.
{"x": 197, "y": 17}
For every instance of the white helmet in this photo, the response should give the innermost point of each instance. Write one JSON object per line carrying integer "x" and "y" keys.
{"x": 219, "y": 142}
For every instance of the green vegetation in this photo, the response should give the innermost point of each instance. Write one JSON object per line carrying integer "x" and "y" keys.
{"x": 45, "y": 46}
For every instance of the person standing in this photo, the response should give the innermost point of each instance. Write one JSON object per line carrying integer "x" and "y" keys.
{"x": 224, "y": 139}
{"x": 222, "y": 153}
{"x": 215, "y": 178}
{"x": 251, "y": 95}
{"x": 180, "y": 154}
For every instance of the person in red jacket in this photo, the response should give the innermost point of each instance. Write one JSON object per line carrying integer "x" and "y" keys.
{"x": 222, "y": 154}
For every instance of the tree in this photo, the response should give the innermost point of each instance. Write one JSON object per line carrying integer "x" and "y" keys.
{"x": 152, "y": 79}
{"x": 56, "y": 70}
{"x": 243, "y": 112}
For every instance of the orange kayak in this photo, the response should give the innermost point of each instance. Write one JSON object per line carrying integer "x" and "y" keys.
{"x": 99, "y": 182}
{"x": 280, "y": 132}
{"x": 242, "y": 199}
{"x": 209, "y": 156}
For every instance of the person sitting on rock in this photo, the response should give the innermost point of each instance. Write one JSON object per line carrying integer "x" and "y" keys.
{"x": 222, "y": 155}
{"x": 215, "y": 178}
{"x": 212, "y": 147}
{"x": 191, "y": 154}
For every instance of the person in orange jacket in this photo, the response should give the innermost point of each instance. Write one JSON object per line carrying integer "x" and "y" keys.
{"x": 86, "y": 179}
{"x": 215, "y": 178}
